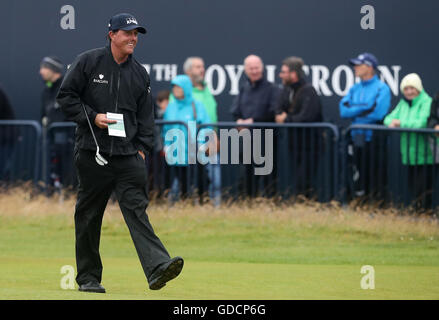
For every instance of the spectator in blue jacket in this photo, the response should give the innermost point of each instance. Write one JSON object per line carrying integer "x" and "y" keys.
{"x": 178, "y": 154}
{"x": 367, "y": 102}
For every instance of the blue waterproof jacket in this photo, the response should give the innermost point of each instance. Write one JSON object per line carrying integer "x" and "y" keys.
{"x": 367, "y": 102}
{"x": 183, "y": 110}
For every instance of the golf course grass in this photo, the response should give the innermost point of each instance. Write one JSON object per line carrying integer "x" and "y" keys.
{"x": 247, "y": 251}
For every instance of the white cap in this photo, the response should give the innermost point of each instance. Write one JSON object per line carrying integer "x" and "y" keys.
{"x": 412, "y": 80}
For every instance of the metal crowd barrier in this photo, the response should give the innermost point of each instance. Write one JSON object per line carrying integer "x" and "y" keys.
{"x": 20, "y": 142}
{"x": 164, "y": 180}
{"x": 304, "y": 160}
{"x": 59, "y": 171}
{"x": 58, "y": 144}
{"x": 397, "y": 167}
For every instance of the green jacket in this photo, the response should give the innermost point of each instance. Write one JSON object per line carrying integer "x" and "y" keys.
{"x": 413, "y": 145}
{"x": 208, "y": 100}
{"x": 205, "y": 97}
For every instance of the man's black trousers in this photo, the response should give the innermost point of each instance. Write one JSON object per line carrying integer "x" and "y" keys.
{"x": 126, "y": 175}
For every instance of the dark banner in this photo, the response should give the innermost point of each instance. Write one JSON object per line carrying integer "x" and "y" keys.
{"x": 326, "y": 34}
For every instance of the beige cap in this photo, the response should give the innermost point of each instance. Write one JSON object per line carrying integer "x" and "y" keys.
{"x": 412, "y": 80}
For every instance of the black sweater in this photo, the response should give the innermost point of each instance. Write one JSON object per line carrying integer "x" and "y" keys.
{"x": 301, "y": 103}
{"x": 256, "y": 100}
{"x": 101, "y": 85}
{"x": 433, "y": 120}
{"x": 49, "y": 107}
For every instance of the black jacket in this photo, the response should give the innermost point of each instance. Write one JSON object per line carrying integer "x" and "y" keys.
{"x": 6, "y": 111}
{"x": 301, "y": 103}
{"x": 97, "y": 81}
{"x": 433, "y": 119}
{"x": 8, "y": 134}
{"x": 49, "y": 107}
{"x": 257, "y": 101}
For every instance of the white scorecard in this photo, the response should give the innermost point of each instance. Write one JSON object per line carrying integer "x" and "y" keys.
{"x": 118, "y": 128}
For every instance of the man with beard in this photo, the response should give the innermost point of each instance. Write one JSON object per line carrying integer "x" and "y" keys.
{"x": 299, "y": 102}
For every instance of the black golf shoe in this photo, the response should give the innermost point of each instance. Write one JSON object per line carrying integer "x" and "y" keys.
{"x": 166, "y": 272}
{"x": 92, "y": 286}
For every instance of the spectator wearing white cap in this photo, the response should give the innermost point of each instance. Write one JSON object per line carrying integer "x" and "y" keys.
{"x": 412, "y": 112}
{"x": 413, "y": 109}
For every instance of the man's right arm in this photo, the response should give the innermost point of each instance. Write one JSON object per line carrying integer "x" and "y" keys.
{"x": 69, "y": 95}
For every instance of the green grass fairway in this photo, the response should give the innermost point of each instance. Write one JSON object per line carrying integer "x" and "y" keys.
{"x": 264, "y": 252}
{"x": 33, "y": 278}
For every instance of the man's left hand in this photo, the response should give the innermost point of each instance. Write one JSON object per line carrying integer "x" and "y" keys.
{"x": 142, "y": 155}
{"x": 280, "y": 118}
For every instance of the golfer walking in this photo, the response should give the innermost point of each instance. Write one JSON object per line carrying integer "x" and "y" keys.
{"x": 107, "y": 93}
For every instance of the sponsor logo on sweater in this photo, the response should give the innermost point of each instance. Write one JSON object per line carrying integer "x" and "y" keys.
{"x": 101, "y": 79}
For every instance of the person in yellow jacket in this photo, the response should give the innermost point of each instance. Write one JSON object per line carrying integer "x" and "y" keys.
{"x": 412, "y": 112}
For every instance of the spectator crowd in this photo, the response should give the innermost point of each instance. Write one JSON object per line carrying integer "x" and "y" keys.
{"x": 188, "y": 98}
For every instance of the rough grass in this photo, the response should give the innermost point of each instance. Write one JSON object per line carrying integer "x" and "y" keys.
{"x": 312, "y": 216}
{"x": 255, "y": 250}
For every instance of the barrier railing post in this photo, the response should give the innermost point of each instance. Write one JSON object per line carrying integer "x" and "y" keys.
{"x": 309, "y": 133}
{"x": 410, "y": 167}
{"x": 19, "y": 136}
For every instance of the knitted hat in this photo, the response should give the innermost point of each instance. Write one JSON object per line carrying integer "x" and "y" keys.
{"x": 412, "y": 80}
{"x": 52, "y": 63}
